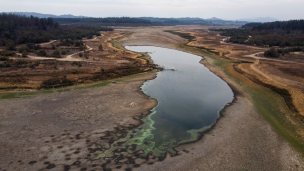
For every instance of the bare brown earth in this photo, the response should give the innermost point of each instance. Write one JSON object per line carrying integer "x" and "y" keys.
{"x": 63, "y": 131}
{"x": 71, "y": 66}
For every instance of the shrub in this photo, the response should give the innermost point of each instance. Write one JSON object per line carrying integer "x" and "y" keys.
{"x": 20, "y": 50}
{"x": 63, "y": 52}
{"x": 56, "y": 53}
{"x": 86, "y": 54}
{"x": 3, "y": 58}
{"x": 80, "y": 54}
{"x": 90, "y": 37}
{"x": 24, "y": 53}
{"x": 30, "y": 46}
{"x": 271, "y": 53}
{"x": 42, "y": 52}
{"x": 56, "y": 82}
{"x": 7, "y": 53}
{"x": 20, "y": 62}
{"x": 280, "y": 51}
{"x": 100, "y": 47}
{"x": 81, "y": 48}
{"x": 32, "y": 66}
{"x": 10, "y": 45}
{"x": 51, "y": 81}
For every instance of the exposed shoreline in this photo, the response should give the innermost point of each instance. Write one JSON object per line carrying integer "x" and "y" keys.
{"x": 241, "y": 139}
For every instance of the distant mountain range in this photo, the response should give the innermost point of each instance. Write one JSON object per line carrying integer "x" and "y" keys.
{"x": 214, "y": 19}
{"x": 199, "y": 21}
{"x": 260, "y": 19}
{"x": 39, "y": 15}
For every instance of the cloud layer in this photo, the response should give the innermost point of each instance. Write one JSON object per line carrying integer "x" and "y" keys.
{"x": 226, "y": 9}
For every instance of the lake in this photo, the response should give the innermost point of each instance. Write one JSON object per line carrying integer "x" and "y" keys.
{"x": 189, "y": 101}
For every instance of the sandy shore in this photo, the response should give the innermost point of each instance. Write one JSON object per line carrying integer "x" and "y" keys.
{"x": 63, "y": 131}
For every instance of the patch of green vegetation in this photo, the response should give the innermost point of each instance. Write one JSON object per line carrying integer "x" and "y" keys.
{"x": 144, "y": 57}
{"x": 63, "y": 90}
{"x": 116, "y": 42}
{"x": 183, "y": 35}
{"x": 7, "y": 53}
{"x": 23, "y": 94}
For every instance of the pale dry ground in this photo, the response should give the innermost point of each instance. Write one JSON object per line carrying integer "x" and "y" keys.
{"x": 152, "y": 36}
{"x": 44, "y": 128}
{"x": 241, "y": 140}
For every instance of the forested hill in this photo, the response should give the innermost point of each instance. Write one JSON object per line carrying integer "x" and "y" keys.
{"x": 279, "y": 33}
{"x": 123, "y": 21}
{"x": 15, "y": 29}
{"x": 283, "y": 25}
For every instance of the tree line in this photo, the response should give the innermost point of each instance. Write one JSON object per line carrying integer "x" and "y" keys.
{"x": 16, "y": 29}
{"x": 282, "y": 25}
{"x": 112, "y": 21}
{"x": 279, "y": 33}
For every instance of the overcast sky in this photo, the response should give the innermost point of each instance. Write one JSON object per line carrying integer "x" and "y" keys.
{"x": 225, "y": 9}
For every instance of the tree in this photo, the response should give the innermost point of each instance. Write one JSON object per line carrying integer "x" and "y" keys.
{"x": 271, "y": 53}
{"x": 86, "y": 54}
{"x": 24, "y": 53}
{"x": 42, "y": 52}
{"x": 56, "y": 53}
{"x": 10, "y": 45}
{"x": 80, "y": 54}
{"x": 32, "y": 66}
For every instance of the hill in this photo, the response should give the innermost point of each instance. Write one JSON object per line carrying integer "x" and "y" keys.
{"x": 195, "y": 21}
{"x": 279, "y": 33}
{"x": 123, "y": 21}
{"x": 260, "y": 19}
{"x": 16, "y": 29}
{"x": 39, "y": 15}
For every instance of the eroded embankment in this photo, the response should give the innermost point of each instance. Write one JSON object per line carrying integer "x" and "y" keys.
{"x": 283, "y": 92}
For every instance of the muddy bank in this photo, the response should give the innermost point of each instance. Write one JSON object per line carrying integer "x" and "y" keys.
{"x": 65, "y": 130}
